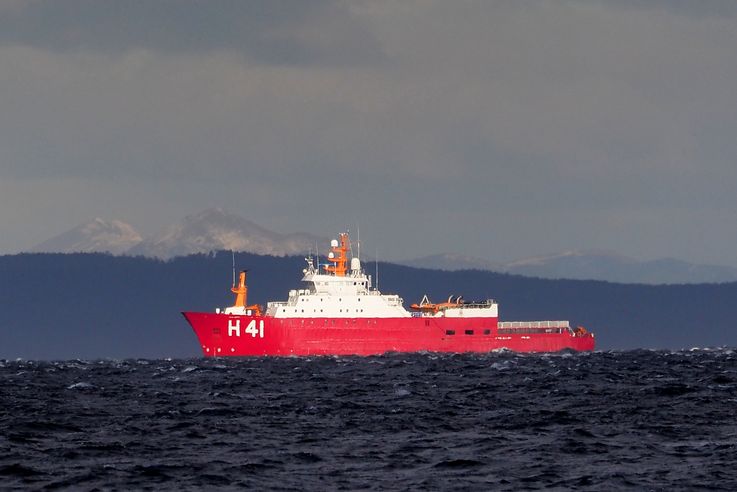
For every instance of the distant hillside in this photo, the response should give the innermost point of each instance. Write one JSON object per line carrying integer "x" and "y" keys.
{"x": 59, "y": 306}
{"x": 453, "y": 262}
{"x": 588, "y": 265}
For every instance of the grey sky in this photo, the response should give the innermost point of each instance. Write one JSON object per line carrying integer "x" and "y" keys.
{"x": 497, "y": 129}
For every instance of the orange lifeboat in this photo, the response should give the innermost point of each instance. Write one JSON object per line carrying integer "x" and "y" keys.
{"x": 430, "y": 307}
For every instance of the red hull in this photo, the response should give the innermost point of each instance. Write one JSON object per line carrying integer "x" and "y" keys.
{"x": 235, "y": 335}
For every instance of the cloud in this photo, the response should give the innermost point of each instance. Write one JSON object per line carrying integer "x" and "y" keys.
{"x": 589, "y": 123}
{"x": 281, "y": 32}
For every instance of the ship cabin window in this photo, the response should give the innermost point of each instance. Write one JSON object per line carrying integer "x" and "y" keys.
{"x": 469, "y": 332}
{"x": 487, "y": 332}
{"x": 450, "y": 332}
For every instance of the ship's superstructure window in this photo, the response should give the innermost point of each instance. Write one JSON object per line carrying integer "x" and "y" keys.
{"x": 487, "y": 332}
{"x": 469, "y": 332}
{"x": 450, "y": 332}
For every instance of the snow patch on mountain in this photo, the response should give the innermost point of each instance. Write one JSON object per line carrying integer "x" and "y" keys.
{"x": 215, "y": 230}
{"x": 96, "y": 236}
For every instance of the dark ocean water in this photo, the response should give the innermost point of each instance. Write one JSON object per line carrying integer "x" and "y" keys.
{"x": 646, "y": 420}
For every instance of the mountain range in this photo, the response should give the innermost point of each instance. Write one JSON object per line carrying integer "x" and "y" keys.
{"x": 204, "y": 232}
{"x": 219, "y": 230}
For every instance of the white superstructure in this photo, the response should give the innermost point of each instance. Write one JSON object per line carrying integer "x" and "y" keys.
{"x": 344, "y": 293}
{"x": 333, "y": 296}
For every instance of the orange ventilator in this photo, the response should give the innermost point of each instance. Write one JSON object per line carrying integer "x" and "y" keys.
{"x": 339, "y": 266}
{"x": 241, "y": 294}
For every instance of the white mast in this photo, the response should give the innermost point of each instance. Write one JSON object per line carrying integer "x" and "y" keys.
{"x": 377, "y": 268}
{"x": 233, "y": 254}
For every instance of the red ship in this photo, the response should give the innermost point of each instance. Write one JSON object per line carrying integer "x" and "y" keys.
{"x": 338, "y": 312}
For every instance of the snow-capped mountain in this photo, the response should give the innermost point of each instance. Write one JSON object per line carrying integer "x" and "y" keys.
{"x": 215, "y": 230}
{"x": 97, "y": 235}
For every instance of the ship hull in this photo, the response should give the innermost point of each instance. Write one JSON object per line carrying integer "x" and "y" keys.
{"x": 239, "y": 335}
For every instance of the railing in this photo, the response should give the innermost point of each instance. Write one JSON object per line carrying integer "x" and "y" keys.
{"x": 477, "y": 305}
{"x": 534, "y": 324}
{"x": 532, "y": 327}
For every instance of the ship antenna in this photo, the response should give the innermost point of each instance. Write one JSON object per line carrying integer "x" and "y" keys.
{"x": 377, "y": 268}
{"x": 317, "y": 255}
{"x": 358, "y": 240}
{"x": 233, "y": 255}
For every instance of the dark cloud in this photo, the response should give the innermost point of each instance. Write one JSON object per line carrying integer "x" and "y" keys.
{"x": 524, "y": 128}
{"x": 273, "y": 32}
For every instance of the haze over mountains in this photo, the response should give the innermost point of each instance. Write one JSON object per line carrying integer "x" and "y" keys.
{"x": 217, "y": 230}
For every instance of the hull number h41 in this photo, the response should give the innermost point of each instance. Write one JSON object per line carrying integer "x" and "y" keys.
{"x": 254, "y": 329}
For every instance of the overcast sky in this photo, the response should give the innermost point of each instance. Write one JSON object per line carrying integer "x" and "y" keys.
{"x": 498, "y": 129}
